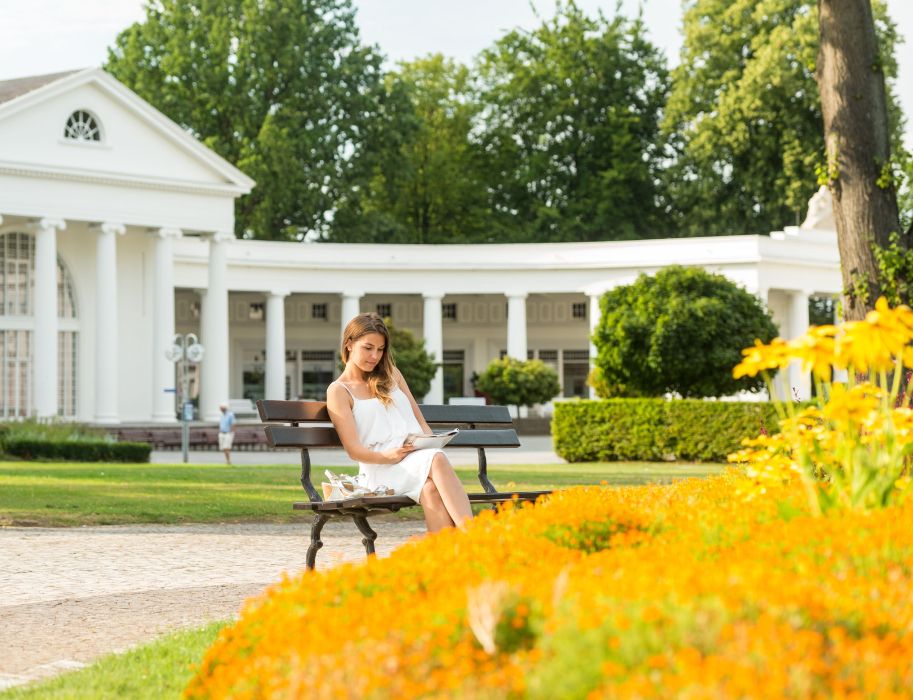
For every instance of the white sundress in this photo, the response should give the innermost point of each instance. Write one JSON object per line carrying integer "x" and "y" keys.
{"x": 383, "y": 427}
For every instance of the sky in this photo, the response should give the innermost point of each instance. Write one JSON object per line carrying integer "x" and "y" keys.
{"x": 46, "y": 36}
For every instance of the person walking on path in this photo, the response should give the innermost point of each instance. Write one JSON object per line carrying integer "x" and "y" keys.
{"x": 226, "y": 431}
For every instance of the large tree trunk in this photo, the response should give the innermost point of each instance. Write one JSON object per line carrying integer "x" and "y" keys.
{"x": 853, "y": 102}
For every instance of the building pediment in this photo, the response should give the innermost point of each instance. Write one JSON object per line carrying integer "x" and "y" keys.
{"x": 87, "y": 126}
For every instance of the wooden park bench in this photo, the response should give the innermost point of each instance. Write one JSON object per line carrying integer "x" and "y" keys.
{"x": 306, "y": 425}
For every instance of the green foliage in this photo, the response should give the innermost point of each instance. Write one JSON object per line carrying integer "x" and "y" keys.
{"x": 656, "y": 429}
{"x": 681, "y": 330}
{"x": 32, "y": 439}
{"x": 744, "y": 116}
{"x": 518, "y": 382}
{"x": 417, "y": 365}
{"x": 76, "y": 450}
{"x": 281, "y": 88}
{"x": 895, "y": 269}
{"x": 571, "y": 128}
{"x": 421, "y": 176}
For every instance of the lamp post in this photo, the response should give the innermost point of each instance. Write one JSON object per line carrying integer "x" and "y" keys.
{"x": 185, "y": 351}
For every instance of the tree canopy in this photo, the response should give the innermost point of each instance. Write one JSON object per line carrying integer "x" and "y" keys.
{"x": 420, "y": 178}
{"x": 744, "y": 116}
{"x": 281, "y": 88}
{"x": 681, "y": 330}
{"x": 571, "y": 128}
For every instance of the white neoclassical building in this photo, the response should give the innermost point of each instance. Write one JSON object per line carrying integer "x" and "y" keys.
{"x": 116, "y": 233}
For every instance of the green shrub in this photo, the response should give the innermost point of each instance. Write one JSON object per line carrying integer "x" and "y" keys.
{"x": 679, "y": 331}
{"x": 656, "y": 429}
{"x": 83, "y": 450}
{"x": 518, "y": 383}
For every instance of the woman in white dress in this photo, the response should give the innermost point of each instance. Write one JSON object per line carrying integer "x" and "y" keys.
{"x": 373, "y": 411}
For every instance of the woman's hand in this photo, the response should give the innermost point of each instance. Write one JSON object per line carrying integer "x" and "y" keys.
{"x": 395, "y": 454}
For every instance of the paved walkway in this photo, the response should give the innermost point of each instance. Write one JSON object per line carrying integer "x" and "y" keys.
{"x": 71, "y": 595}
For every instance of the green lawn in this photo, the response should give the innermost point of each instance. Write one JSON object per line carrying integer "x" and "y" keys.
{"x": 154, "y": 671}
{"x": 64, "y": 494}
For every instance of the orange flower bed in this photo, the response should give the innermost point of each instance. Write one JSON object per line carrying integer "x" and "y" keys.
{"x": 655, "y": 591}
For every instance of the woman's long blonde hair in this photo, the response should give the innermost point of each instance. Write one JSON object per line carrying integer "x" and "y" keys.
{"x": 381, "y": 382}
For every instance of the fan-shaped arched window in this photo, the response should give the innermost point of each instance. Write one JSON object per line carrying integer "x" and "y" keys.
{"x": 82, "y": 126}
{"x": 17, "y": 272}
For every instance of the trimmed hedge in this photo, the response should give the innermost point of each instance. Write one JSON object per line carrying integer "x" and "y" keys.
{"x": 657, "y": 429}
{"x": 77, "y": 450}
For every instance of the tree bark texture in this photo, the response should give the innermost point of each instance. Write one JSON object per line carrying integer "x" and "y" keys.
{"x": 857, "y": 142}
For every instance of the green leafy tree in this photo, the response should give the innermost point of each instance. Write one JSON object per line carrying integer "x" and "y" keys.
{"x": 513, "y": 382}
{"x": 570, "y": 128}
{"x": 422, "y": 180}
{"x": 681, "y": 330}
{"x": 281, "y": 88}
{"x": 409, "y": 354}
{"x": 744, "y": 117}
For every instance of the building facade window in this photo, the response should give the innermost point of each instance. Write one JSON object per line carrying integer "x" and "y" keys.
{"x": 385, "y": 310}
{"x": 449, "y": 312}
{"x": 578, "y": 310}
{"x": 17, "y": 270}
{"x": 82, "y": 126}
{"x": 319, "y": 312}
{"x": 256, "y": 311}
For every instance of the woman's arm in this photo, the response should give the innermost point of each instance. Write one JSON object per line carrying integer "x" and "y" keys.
{"x": 339, "y": 405}
{"x": 401, "y": 382}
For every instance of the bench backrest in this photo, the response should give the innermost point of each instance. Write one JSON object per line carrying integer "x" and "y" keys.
{"x": 306, "y": 425}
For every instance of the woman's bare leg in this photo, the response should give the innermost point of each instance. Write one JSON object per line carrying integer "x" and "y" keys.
{"x": 436, "y": 515}
{"x": 450, "y": 489}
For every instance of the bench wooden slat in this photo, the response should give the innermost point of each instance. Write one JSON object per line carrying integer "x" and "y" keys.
{"x": 386, "y": 502}
{"x": 313, "y": 436}
{"x": 292, "y": 411}
{"x": 501, "y": 497}
{"x": 310, "y": 437}
{"x": 316, "y": 411}
{"x": 465, "y": 414}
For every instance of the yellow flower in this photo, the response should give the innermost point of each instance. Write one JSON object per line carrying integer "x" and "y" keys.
{"x": 875, "y": 342}
{"x": 761, "y": 357}
{"x": 816, "y": 350}
{"x": 854, "y": 405}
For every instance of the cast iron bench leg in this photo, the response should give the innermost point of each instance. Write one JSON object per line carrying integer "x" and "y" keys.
{"x": 361, "y": 522}
{"x": 319, "y": 521}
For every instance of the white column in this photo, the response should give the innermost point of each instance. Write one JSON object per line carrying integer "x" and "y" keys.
{"x": 351, "y": 307}
{"x": 214, "y": 370}
{"x": 275, "y": 344}
{"x": 163, "y": 372}
{"x": 595, "y": 313}
{"x": 45, "y": 310}
{"x": 516, "y": 325}
{"x": 799, "y": 381}
{"x": 106, "y": 338}
{"x": 433, "y": 332}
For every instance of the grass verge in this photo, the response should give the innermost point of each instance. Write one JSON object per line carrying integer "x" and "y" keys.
{"x": 154, "y": 671}
{"x": 68, "y": 494}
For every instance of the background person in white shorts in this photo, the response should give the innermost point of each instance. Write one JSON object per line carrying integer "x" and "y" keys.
{"x": 226, "y": 431}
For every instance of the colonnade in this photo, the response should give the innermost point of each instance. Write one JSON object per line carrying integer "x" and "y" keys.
{"x": 214, "y": 329}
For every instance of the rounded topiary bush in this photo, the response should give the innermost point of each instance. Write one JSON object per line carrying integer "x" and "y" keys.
{"x": 679, "y": 331}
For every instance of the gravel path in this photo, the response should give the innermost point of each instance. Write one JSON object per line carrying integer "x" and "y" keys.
{"x": 71, "y": 595}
